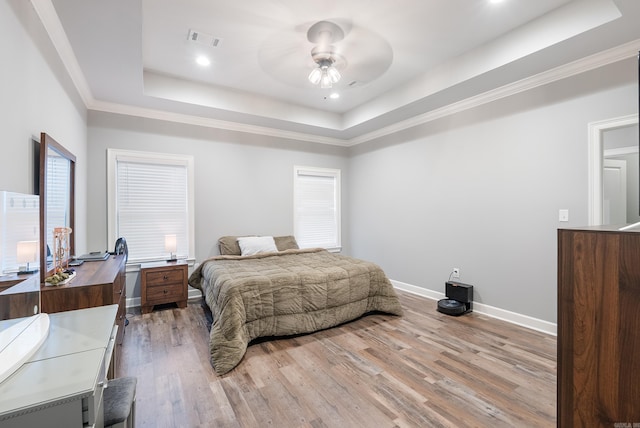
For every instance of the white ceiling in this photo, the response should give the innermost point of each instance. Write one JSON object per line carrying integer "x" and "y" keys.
{"x": 403, "y": 59}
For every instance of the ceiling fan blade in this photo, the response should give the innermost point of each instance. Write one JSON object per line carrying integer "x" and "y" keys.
{"x": 360, "y": 55}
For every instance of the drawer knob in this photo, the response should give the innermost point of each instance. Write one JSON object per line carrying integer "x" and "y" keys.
{"x": 165, "y": 277}
{"x": 165, "y": 291}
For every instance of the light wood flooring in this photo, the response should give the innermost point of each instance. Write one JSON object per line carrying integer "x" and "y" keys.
{"x": 424, "y": 369}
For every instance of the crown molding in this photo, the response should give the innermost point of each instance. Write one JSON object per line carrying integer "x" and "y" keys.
{"x": 53, "y": 26}
{"x": 583, "y": 65}
{"x": 128, "y": 110}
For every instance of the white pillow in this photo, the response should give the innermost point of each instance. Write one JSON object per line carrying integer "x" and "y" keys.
{"x": 250, "y": 245}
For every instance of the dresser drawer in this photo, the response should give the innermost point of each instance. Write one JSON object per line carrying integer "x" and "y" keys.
{"x": 119, "y": 287}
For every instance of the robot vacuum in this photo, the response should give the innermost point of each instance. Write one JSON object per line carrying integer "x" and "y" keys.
{"x": 451, "y": 307}
{"x": 459, "y": 299}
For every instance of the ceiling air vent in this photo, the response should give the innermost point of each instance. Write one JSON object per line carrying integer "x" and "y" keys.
{"x": 204, "y": 38}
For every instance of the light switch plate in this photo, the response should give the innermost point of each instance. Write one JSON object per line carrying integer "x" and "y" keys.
{"x": 563, "y": 215}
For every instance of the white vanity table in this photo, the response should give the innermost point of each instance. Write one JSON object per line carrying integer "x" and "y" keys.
{"x": 61, "y": 385}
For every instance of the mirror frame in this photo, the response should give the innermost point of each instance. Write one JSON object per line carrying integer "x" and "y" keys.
{"x": 47, "y": 143}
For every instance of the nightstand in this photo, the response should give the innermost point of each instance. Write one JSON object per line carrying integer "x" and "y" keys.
{"x": 163, "y": 282}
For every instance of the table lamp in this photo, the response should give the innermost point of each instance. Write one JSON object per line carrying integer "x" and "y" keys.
{"x": 171, "y": 245}
{"x": 27, "y": 253}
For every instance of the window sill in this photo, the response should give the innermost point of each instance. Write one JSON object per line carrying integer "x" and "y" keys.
{"x": 134, "y": 266}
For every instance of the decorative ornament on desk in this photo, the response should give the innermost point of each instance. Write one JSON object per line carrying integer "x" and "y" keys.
{"x": 62, "y": 274}
{"x": 61, "y": 247}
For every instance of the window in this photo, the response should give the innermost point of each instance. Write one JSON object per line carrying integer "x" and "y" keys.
{"x": 150, "y": 196}
{"x": 316, "y": 204}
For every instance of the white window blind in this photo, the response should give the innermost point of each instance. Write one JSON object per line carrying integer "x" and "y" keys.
{"x": 317, "y": 207}
{"x": 152, "y": 198}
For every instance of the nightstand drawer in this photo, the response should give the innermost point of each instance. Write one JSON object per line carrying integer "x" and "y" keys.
{"x": 167, "y": 276}
{"x": 165, "y": 293}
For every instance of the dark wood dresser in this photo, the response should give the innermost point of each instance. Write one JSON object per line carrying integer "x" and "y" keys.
{"x": 97, "y": 283}
{"x": 598, "y": 327}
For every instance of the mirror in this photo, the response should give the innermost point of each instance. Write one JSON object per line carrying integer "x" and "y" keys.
{"x": 620, "y": 176}
{"x": 19, "y": 231}
{"x": 597, "y": 131}
{"x": 57, "y": 198}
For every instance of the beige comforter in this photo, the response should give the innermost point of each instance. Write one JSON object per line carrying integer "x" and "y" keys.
{"x": 290, "y": 292}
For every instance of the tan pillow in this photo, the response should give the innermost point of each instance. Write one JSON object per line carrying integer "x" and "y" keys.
{"x": 286, "y": 243}
{"x": 229, "y": 246}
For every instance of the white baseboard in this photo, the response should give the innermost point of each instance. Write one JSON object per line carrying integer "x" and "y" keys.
{"x": 491, "y": 311}
{"x": 135, "y": 302}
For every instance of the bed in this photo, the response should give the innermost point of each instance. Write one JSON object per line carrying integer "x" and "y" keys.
{"x": 281, "y": 291}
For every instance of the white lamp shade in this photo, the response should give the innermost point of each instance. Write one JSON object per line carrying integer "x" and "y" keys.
{"x": 27, "y": 251}
{"x": 170, "y": 243}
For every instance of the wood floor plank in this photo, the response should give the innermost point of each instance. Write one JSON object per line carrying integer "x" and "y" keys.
{"x": 422, "y": 369}
{"x": 302, "y": 384}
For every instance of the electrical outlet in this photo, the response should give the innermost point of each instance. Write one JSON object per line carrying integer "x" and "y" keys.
{"x": 455, "y": 273}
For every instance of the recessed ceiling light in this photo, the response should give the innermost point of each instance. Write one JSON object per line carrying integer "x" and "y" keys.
{"x": 495, "y": 1}
{"x": 334, "y": 96}
{"x": 203, "y": 60}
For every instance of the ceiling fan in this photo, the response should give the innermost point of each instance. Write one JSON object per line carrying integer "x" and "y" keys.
{"x": 324, "y": 34}
{"x": 344, "y": 54}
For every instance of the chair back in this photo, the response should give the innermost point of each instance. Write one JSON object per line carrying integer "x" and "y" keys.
{"x": 121, "y": 248}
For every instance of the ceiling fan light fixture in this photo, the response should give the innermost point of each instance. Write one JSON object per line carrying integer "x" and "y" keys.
{"x": 325, "y": 81}
{"x": 323, "y": 34}
{"x": 325, "y": 74}
{"x": 333, "y": 74}
{"x": 315, "y": 76}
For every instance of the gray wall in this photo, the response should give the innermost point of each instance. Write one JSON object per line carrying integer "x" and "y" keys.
{"x": 243, "y": 182}
{"x": 480, "y": 190}
{"x": 37, "y": 96}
